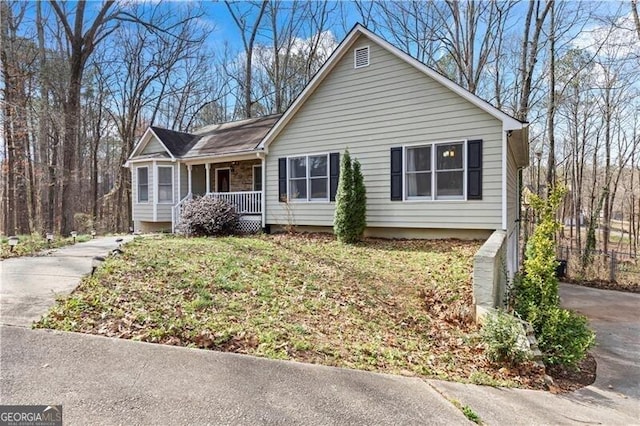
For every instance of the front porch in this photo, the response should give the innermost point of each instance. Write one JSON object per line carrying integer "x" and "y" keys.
{"x": 237, "y": 182}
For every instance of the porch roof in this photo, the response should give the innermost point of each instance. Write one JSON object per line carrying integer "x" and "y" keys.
{"x": 178, "y": 143}
{"x": 236, "y": 136}
{"x": 216, "y": 140}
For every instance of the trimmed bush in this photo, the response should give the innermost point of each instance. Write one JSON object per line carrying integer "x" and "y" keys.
{"x": 209, "y": 216}
{"x": 564, "y": 336}
{"x": 504, "y": 338}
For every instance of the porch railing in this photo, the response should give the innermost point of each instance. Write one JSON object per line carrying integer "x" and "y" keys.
{"x": 176, "y": 212}
{"x": 248, "y": 202}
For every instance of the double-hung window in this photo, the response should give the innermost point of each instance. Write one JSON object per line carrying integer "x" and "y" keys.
{"x": 143, "y": 184}
{"x": 165, "y": 184}
{"x": 308, "y": 178}
{"x": 449, "y": 171}
{"x": 418, "y": 172}
{"x": 435, "y": 171}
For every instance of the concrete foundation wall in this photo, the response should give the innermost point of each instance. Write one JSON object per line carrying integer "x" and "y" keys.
{"x": 489, "y": 274}
{"x": 408, "y": 233}
{"x": 145, "y": 227}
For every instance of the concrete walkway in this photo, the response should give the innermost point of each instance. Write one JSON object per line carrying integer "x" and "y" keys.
{"x": 30, "y": 285}
{"x": 111, "y": 381}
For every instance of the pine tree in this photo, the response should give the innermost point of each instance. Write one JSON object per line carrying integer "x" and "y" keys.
{"x": 343, "y": 220}
{"x": 359, "y": 200}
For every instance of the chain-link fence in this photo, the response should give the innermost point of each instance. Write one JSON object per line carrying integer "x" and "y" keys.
{"x": 610, "y": 266}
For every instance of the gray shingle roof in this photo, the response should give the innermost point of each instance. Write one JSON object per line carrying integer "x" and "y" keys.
{"x": 236, "y": 136}
{"x": 178, "y": 143}
{"x": 217, "y": 139}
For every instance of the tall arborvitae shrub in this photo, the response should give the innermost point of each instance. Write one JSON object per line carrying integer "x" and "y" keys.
{"x": 563, "y": 336}
{"x": 359, "y": 200}
{"x": 343, "y": 220}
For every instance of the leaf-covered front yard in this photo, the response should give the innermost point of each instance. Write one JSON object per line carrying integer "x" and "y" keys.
{"x": 390, "y": 306}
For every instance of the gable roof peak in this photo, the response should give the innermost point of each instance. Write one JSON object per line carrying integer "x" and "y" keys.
{"x": 508, "y": 122}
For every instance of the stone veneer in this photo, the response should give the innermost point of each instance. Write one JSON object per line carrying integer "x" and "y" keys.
{"x": 241, "y": 175}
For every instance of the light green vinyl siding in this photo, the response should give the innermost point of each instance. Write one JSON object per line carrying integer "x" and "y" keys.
{"x": 512, "y": 191}
{"x": 153, "y": 147}
{"x": 369, "y": 110}
{"x": 142, "y": 211}
{"x": 184, "y": 181}
{"x": 512, "y": 213}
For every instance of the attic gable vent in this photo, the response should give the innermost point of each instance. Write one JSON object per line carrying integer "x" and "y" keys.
{"x": 361, "y": 57}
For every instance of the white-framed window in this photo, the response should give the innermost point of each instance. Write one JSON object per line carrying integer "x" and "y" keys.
{"x": 257, "y": 177}
{"x": 308, "y": 177}
{"x": 142, "y": 175}
{"x": 435, "y": 171}
{"x": 165, "y": 184}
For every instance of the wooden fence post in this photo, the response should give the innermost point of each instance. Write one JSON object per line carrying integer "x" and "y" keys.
{"x": 612, "y": 268}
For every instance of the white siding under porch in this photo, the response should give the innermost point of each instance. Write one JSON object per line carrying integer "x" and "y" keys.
{"x": 371, "y": 109}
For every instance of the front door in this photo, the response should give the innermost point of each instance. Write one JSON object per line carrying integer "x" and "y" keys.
{"x": 222, "y": 180}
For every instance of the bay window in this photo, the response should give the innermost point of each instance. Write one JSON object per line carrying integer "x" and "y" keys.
{"x": 143, "y": 184}
{"x": 165, "y": 184}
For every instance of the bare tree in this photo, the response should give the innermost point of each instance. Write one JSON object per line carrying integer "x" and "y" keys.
{"x": 530, "y": 52}
{"x": 248, "y": 33}
{"x": 636, "y": 17}
{"x": 142, "y": 73}
{"x": 82, "y": 44}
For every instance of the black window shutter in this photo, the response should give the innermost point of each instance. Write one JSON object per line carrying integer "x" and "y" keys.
{"x": 282, "y": 180}
{"x": 334, "y": 174}
{"x": 474, "y": 170}
{"x": 396, "y": 174}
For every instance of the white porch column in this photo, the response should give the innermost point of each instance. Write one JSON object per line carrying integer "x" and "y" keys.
{"x": 208, "y": 173}
{"x": 263, "y": 198}
{"x": 189, "y": 166}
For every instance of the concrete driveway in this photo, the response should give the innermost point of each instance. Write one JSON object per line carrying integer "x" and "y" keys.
{"x": 614, "y": 398}
{"x": 615, "y": 317}
{"x": 29, "y": 285}
{"x": 103, "y": 381}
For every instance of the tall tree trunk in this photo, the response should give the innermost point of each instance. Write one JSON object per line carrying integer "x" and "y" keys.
{"x": 551, "y": 109}
{"x": 43, "y": 127}
{"x": 81, "y": 45}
